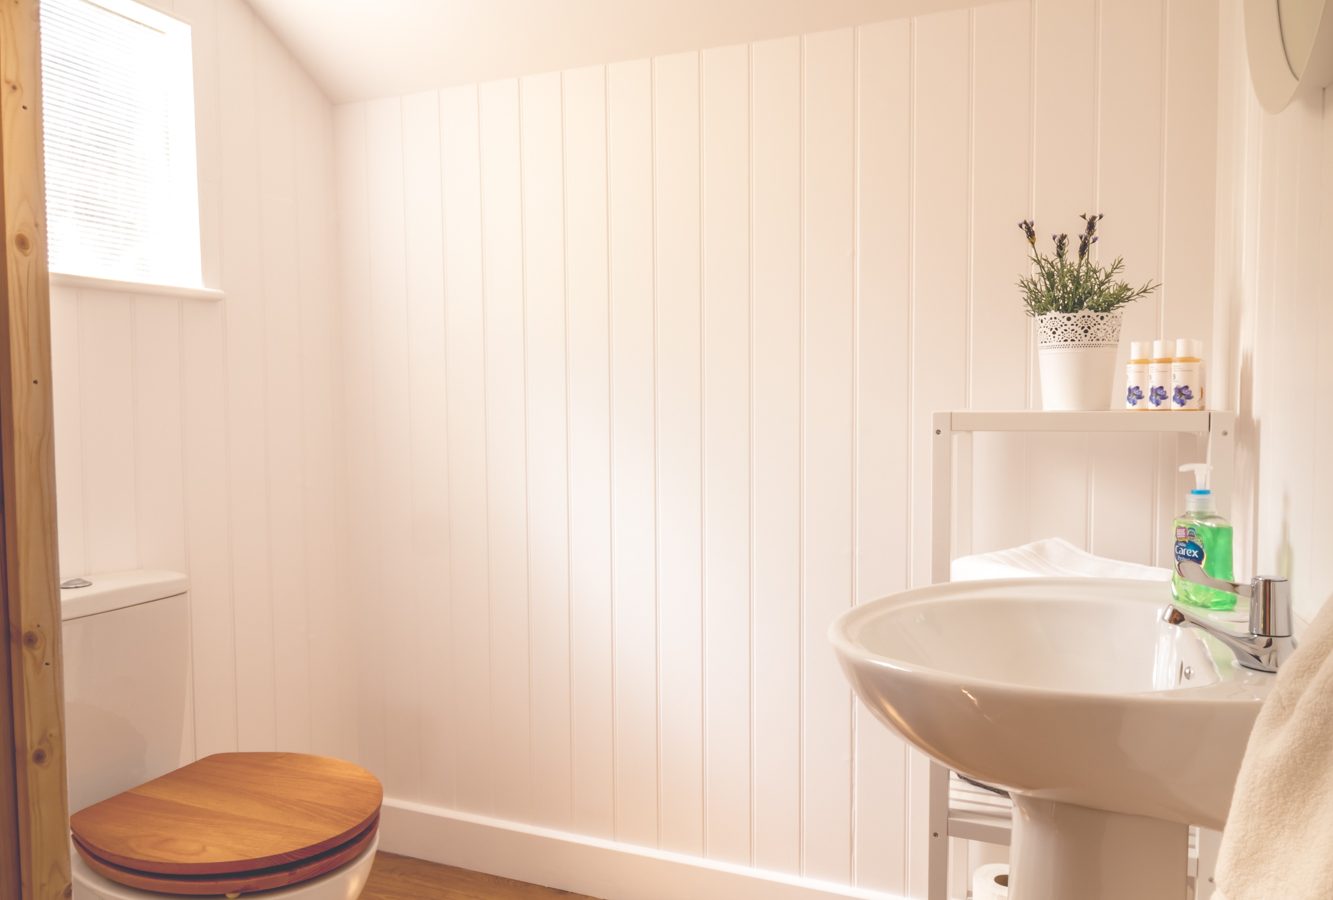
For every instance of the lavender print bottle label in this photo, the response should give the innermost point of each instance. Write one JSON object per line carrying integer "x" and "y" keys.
{"x": 1187, "y": 386}
{"x": 1136, "y": 386}
{"x": 1159, "y": 389}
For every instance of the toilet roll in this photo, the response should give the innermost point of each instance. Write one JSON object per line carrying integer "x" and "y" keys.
{"x": 991, "y": 882}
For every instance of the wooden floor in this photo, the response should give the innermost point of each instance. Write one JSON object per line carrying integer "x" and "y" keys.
{"x": 401, "y": 878}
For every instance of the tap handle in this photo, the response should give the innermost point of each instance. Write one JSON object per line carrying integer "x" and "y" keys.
{"x": 1269, "y": 596}
{"x": 1192, "y": 571}
{"x": 1270, "y": 607}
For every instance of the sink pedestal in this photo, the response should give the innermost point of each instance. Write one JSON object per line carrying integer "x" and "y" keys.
{"x": 1059, "y": 851}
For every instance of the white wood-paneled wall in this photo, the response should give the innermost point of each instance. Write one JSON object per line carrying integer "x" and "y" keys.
{"x": 1275, "y": 314}
{"x": 639, "y": 362}
{"x": 204, "y": 436}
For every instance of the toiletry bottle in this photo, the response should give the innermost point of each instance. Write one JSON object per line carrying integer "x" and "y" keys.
{"x": 1187, "y": 375}
{"x": 1204, "y": 537}
{"x": 1136, "y": 376}
{"x": 1159, "y": 376}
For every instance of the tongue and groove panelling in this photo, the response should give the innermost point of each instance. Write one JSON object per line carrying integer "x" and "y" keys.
{"x": 697, "y": 311}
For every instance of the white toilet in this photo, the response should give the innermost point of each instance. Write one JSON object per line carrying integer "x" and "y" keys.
{"x": 344, "y": 884}
{"x": 129, "y": 718}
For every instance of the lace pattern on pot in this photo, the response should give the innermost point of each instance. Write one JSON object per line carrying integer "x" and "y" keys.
{"x": 1076, "y": 330}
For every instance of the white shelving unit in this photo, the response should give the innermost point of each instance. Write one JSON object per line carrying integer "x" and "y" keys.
{"x": 958, "y": 809}
{"x": 953, "y": 440}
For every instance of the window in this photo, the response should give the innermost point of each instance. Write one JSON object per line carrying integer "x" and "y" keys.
{"x": 122, "y": 198}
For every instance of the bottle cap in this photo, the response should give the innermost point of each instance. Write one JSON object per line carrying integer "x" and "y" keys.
{"x": 1201, "y": 498}
{"x": 1201, "y": 472}
{"x": 1161, "y": 349}
{"x": 1189, "y": 347}
{"x": 1138, "y": 349}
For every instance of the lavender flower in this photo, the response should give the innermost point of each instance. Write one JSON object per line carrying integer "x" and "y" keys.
{"x": 1133, "y": 395}
{"x": 1157, "y": 395}
{"x": 1057, "y": 283}
{"x": 1182, "y": 395}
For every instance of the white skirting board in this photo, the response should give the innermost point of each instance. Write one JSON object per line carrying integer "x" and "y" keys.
{"x": 584, "y": 865}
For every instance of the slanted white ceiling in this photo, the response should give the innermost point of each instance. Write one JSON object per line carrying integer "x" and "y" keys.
{"x": 359, "y": 49}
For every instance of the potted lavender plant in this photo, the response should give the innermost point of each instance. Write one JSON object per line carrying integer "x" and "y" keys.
{"x": 1077, "y": 304}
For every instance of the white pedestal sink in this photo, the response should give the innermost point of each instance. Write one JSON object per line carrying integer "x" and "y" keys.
{"x": 1112, "y": 730}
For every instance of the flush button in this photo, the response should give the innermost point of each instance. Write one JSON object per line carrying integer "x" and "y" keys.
{"x": 75, "y": 583}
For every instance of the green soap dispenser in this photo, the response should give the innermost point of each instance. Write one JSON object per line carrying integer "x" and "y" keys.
{"x": 1203, "y": 537}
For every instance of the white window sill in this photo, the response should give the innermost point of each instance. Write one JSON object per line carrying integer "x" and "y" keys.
{"x": 62, "y": 279}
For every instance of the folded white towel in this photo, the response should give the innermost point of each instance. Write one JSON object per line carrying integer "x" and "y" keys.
{"x": 1278, "y": 843}
{"x": 1049, "y": 557}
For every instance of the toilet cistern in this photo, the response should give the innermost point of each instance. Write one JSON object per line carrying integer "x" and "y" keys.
{"x": 1269, "y": 641}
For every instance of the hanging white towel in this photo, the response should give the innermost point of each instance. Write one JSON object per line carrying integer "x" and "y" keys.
{"x": 1052, "y": 557}
{"x": 1278, "y": 843}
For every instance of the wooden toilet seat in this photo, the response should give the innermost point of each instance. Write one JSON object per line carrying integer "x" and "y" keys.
{"x": 232, "y": 823}
{"x": 236, "y": 882}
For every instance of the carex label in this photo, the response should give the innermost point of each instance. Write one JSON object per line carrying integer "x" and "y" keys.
{"x": 1188, "y": 548}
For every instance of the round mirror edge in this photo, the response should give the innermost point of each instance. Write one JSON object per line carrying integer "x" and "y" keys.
{"x": 1318, "y": 73}
{"x": 1275, "y": 84}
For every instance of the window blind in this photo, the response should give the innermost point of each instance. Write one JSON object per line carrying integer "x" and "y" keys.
{"x": 118, "y": 114}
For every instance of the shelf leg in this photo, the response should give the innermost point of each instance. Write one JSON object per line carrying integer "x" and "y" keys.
{"x": 941, "y": 498}
{"x": 1222, "y": 454}
{"x": 941, "y": 554}
{"x": 938, "y": 886}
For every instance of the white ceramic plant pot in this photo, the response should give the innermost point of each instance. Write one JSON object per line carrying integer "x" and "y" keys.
{"x": 1077, "y": 357}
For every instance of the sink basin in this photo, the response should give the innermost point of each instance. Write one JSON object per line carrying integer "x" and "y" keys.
{"x": 1111, "y": 729}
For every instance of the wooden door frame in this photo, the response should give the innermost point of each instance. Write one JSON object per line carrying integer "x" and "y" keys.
{"x": 34, "y": 836}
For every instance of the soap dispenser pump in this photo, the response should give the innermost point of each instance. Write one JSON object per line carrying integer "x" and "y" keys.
{"x": 1203, "y": 537}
